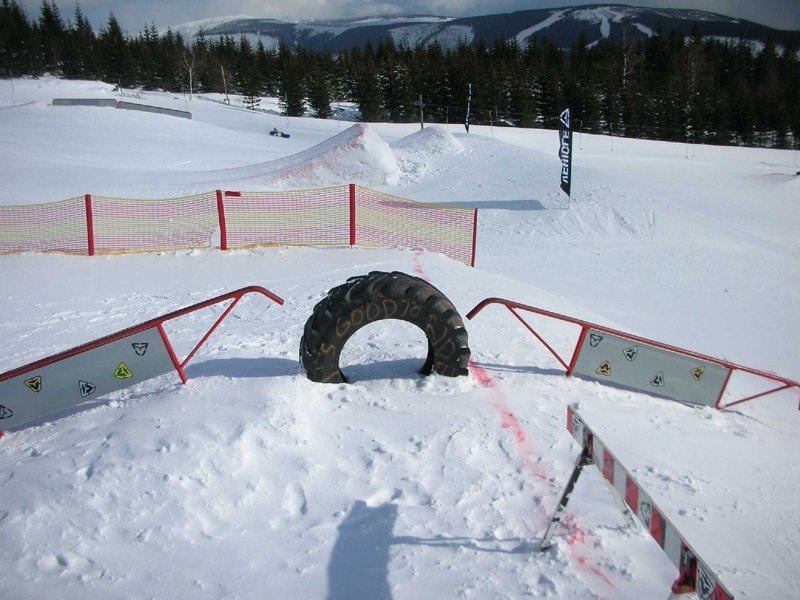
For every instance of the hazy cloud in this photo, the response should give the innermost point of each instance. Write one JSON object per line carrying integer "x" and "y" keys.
{"x": 133, "y": 15}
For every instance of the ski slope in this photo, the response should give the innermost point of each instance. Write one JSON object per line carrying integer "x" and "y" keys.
{"x": 251, "y": 481}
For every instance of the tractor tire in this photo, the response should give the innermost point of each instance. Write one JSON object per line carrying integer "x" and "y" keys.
{"x": 369, "y": 298}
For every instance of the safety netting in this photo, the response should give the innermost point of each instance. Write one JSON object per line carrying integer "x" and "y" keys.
{"x": 52, "y": 227}
{"x": 145, "y": 225}
{"x": 384, "y": 220}
{"x": 307, "y": 218}
{"x": 334, "y": 216}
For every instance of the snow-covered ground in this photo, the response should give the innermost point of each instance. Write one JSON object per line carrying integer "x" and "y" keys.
{"x": 253, "y": 482}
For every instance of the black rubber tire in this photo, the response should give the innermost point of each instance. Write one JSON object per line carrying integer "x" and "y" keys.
{"x": 369, "y": 298}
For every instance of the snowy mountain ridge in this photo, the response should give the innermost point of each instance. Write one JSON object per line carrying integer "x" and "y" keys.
{"x": 563, "y": 26}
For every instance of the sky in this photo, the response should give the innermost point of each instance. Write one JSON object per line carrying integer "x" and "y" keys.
{"x": 134, "y": 15}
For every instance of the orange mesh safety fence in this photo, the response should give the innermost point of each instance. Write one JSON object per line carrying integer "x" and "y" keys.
{"x": 384, "y": 220}
{"x": 53, "y": 227}
{"x": 335, "y": 216}
{"x": 306, "y": 218}
{"x": 142, "y": 225}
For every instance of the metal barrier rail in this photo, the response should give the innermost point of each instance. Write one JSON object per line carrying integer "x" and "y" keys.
{"x": 586, "y": 329}
{"x": 127, "y": 357}
{"x": 694, "y": 575}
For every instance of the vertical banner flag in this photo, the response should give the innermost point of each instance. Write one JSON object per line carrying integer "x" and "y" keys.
{"x": 565, "y": 152}
{"x": 469, "y": 102}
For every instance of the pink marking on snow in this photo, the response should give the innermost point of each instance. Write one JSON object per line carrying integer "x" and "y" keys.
{"x": 577, "y": 537}
{"x": 534, "y": 467}
{"x": 509, "y": 421}
{"x": 418, "y": 265}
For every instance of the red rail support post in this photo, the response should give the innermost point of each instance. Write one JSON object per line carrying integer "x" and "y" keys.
{"x": 474, "y": 237}
{"x": 223, "y": 232}
{"x": 89, "y": 225}
{"x": 352, "y": 214}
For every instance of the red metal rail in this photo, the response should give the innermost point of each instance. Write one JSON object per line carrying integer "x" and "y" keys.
{"x": 586, "y": 325}
{"x": 158, "y": 323}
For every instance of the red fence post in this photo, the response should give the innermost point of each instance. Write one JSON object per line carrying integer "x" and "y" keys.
{"x": 223, "y": 232}
{"x": 89, "y": 225}
{"x": 352, "y": 214}
{"x": 474, "y": 237}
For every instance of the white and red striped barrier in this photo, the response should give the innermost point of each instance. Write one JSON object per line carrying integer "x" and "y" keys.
{"x": 106, "y": 365}
{"x": 617, "y": 358}
{"x": 695, "y": 576}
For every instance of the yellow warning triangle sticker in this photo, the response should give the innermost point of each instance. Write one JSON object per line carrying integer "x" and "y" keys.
{"x": 698, "y": 373}
{"x": 604, "y": 369}
{"x": 123, "y": 372}
{"x": 34, "y": 384}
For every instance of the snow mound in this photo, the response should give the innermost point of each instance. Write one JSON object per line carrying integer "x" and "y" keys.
{"x": 414, "y": 152}
{"x": 427, "y": 142}
{"x": 357, "y": 155}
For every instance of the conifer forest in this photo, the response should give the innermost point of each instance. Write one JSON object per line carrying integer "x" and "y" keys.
{"x": 665, "y": 87}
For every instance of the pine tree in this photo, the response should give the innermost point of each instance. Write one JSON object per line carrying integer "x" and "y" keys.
{"x": 16, "y": 41}
{"x": 114, "y": 54}
{"x": 52, "y": 35}
{"x": 248, "y": 74}
{"x": 291, "y": 87}
{"x": 319, "y": 87}
{"x": 367, "y": 93}
{"x": 79, "y": 49}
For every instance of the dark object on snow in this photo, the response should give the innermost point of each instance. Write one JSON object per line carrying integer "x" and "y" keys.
{"x": 368, "y": 298}
{"x": 276, "y": 133}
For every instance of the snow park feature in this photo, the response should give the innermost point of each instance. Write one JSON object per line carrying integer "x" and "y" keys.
{"x": 94, "y": 370}
{"x": 252, "y": 480}
{"x": 109, "y": 102}
{"x": 366, "y": 299}
{"x": 695, "y": 577}
{"x": 629, "y": 361}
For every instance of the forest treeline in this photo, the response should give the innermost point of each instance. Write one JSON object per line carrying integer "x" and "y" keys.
{"x": 668, "y": 86}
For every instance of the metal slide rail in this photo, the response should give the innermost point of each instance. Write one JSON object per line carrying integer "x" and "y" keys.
{"x": 591, "y": 331}
{"x": 102, "y": 366}
{"x": 694, "y": 574}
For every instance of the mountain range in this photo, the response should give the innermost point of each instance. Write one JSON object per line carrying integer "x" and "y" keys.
{"x": 563, "y": 26}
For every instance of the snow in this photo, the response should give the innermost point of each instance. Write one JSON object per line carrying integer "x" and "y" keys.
{"x": 522, "y": 36}
{"x": 251, "y": 481}
{"x": 449, "y": 36}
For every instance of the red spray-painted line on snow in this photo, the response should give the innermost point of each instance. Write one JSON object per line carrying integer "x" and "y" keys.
{"x": 577, "y": 538}
{"x": 508, "y": 420}
{"x": 418, "y": 265}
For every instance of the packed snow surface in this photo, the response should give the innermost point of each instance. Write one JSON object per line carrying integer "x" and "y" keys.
{"x": 250, "y": 481}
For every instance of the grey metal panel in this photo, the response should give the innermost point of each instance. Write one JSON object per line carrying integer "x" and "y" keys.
{"x": 653, "y": 370}
{"x": 620, "y": 479}
{"x": 672, "y": 544}
{"x": 86, "y": 376}
{"x": 597, "y": 454}
{"x": 154, "y": 109}
{"x": 85, "y": 102}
